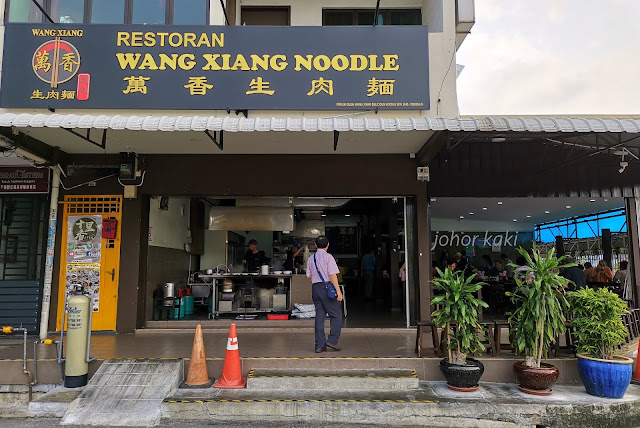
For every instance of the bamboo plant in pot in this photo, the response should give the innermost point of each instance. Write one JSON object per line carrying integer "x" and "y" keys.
{"x": 599, "y": 329}
{"x": 458, "y": 315}
{"x": 538, "y": 319}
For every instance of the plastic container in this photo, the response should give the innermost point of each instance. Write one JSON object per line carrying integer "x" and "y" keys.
{"x": 187, "y": 305}
{"x": 277, "y": 316}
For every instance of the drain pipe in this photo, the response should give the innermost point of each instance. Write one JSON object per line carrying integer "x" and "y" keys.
{"x": 9, "y": 330}
{"x": 51, "y": 243}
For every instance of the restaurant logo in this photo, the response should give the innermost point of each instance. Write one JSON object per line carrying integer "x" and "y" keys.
{"x": 85, "y": 229}
{"x": 56, "y": 61}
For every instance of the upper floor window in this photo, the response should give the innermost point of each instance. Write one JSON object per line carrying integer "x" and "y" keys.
{"x": 67, "y": 11}
{"x": 107, "y": 12}
{"x": 158, "y": 12}
{"x": 250, "y": 15}
{"x": 23, "y": 11}
{"x": 366, "y": 16}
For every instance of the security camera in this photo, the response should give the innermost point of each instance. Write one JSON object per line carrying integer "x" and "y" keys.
{"x": 623, "y": 166}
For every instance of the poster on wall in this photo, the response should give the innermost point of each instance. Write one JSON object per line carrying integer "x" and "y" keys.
{"x": 86, "y": 275}
{"x": 84, "y": 239}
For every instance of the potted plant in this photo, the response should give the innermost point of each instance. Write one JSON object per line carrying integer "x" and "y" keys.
{"x": 538, "y": 319}
{"x": 599, "y": 329}
{"x": 458, "y": 315}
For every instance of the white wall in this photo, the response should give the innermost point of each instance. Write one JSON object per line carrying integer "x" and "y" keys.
{"x": 169, "y": 229}
{"x": 215, "y": 249}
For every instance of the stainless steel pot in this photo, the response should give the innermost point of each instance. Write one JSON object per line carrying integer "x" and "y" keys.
{"x": 264, "y": 270}
{"x": 168, "y": 290}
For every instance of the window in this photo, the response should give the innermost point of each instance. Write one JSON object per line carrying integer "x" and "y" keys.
{"x": 149, "y": 12}
{"x": 23, "y": 11}
{"x": 190, "y": 12}
{"x": 365, "y": 17}
{"x": 67, "y": 11}
{"x": 107, "y": 11}
{"x": 265, "y": 16}
{"x": 158, "y": 12}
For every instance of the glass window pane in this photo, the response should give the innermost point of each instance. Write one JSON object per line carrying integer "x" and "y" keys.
{"x": 366, "y": 18}
{"x": 190, "y": 12}
{"x": 107, "y": 12}
{"x": 149, "y": 11}
{"x": 334, "y": 17}
{"x": 24, "y": 11}
{"x": 67, "y": 11}
{"x": 406, "y": 17}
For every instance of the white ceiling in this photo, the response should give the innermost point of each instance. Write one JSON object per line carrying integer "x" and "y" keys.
{"x": 190, "y": 142}
{"x": 519, "y": 208}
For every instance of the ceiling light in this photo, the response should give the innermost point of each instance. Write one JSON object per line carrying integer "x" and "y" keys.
{"x": 592, "y": 200}
{"x": 499, "y": 203}
{"x": 347, "y": 215}
{"x": 546, "y": 212}
{"x": 461, "y": 217}
{"x": 484, "y": 208}
{"x": 515, "y": 219}
{"x": 528, "y": 216}
{"x": 498, "y": 139}
{"x": 606, "y": 200}
{"x": 567, "y": 206}
{"x": 323, "y": 215}
{"x": 471, "y": 213}
{"x": 432, "y": 199}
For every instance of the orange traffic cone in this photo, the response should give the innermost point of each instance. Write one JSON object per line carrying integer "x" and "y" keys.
{"x": 232, "y": 370}
{"x": 198, "y": 375}
{"x": 636, "y": 374}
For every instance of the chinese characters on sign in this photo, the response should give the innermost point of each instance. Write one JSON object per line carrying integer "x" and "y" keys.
{"x": 212, "y": 67}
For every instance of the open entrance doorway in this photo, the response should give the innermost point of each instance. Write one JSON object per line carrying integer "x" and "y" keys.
{"x": 197, "y": 257}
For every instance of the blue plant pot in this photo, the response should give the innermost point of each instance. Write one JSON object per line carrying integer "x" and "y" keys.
{"x": 605, "y": 378}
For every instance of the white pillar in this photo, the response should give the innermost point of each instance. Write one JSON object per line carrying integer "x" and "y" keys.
{"x": 51, "y": 243}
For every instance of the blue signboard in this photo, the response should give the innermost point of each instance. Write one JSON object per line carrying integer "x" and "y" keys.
{"x": 212, "y": 67}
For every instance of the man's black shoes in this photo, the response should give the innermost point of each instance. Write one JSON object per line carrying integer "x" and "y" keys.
{"x": 319, "y": 350}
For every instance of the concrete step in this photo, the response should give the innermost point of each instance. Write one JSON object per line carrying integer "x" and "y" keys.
{"x": 332, "y": 379}
{"x": 434, "y": 405}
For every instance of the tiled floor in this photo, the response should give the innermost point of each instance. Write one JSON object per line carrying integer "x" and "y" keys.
{"x": 178, "y": 345}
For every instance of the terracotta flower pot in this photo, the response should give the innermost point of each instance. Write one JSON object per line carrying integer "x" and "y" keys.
{"x": 462, "y": 378}
{"x": 536, "y": 380}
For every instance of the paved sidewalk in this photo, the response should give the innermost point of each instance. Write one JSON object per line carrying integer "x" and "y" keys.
{"x": 433, "y": 405}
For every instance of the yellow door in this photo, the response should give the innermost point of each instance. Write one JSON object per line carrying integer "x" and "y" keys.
{"x": 108, "y": 207}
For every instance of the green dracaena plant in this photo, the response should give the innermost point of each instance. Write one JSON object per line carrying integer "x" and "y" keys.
{"x": 458, "y": 311}
{"x": 541, "y": 306}
{"x": 598, "y": 321}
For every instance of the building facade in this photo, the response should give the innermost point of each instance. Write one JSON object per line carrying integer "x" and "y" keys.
{"x": 169, "y": 111}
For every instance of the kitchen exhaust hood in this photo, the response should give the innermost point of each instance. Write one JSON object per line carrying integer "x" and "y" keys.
{"x": 251, "y": 218}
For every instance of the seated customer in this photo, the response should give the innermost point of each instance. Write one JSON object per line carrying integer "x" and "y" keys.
{"x": 603, "y": 273}
{"x": 589, "y": 272}
{"x": 496, "y": 269}
{"x": 574, "y": 274}
{"x": 621, "y": 275}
